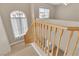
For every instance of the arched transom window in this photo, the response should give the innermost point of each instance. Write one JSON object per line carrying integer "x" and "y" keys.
{"x": 19, "y": 23}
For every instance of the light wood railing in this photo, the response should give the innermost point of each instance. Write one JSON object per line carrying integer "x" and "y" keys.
{"x": 47, "y": 42}
{"x": 29, "y": 36}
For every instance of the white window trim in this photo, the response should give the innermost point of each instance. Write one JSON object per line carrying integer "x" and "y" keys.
{"x": 14, "y": 17}
{"x": 44, "y": 12}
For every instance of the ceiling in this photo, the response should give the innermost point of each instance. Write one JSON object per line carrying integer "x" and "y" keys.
{"x": 57, "y": 4}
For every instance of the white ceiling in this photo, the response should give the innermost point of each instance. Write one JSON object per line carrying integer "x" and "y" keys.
{"x": 56, "y": 3}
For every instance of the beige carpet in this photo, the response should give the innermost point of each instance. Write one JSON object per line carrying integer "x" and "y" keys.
{"x": 28, "y": 51}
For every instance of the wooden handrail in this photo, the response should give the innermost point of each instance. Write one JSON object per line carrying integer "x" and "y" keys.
{"x": 43, "y": 37}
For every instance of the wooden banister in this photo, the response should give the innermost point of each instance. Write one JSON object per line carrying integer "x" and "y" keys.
{"x": 28, "y": 37}
{"x": 41, "y": 33}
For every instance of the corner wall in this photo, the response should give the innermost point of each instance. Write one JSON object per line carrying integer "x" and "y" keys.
{"x": 4, "y": 43}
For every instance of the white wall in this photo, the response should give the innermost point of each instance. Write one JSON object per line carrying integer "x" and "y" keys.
{"x": 4, "y": 44}
{"x": 44, "y": 5}
{"x": 6, "y": 9}
{"x": 69, "y": 12}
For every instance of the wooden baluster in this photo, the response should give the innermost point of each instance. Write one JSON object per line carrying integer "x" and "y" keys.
{"x": 68, "y": 42}
{"x": 38, "y": 34}
{"x": 49, "y": 39}
{"x": 75, "y": 46}
{"x": 45, "y": 48}
{"x": 36, "y": 31}
{"x": 41, "y": 36}
{"x": 44, "y": 37}
{"x": 61, "y": 33}
{"x": 45, "y": 33}
{"x": 53, "y": 42}
{"x": 31, "y": 34}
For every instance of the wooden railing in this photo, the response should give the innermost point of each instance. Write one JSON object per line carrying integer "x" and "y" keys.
{"x": 49, "y": 42}
{"x": 29, "y": 36}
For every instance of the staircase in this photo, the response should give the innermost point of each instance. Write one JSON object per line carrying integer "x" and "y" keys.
{"x": 54, "y": 39}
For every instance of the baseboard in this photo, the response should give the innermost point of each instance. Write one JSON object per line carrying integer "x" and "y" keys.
{"x": 16, "y": 42}
{"x": 38, "y": 50}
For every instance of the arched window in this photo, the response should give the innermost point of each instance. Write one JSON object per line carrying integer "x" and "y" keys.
{"x": 19, "y": 23}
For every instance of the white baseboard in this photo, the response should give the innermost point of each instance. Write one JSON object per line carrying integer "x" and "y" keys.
{"x": 16, "y": 42}
{"x": 38, "y": 50}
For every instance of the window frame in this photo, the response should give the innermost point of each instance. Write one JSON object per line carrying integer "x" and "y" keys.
{"x": 44, "y": 13}
{"x": 14, "y": 16}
